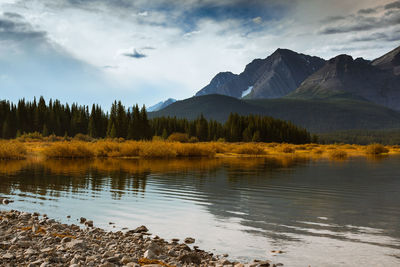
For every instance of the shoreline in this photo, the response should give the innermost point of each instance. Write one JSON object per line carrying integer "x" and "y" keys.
{"x": 31, "y": 239}
{"x": 78, "y": 149}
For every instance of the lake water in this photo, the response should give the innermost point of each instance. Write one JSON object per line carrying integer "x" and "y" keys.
{"x": 318, "y": 212}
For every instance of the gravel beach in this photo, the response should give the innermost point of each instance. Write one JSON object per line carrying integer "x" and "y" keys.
{"x": 31, "y": 239}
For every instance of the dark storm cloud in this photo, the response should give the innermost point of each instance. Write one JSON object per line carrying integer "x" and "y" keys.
{"x": 135, "y": 54}
{"x": 12, "y": 15}
{"x": 367, "y": 11}
{"x": 379, "y": 36}
{"x": 363, "y": 23}
{"x": 186, "y": 14}
{"x": 12, "y": 27}
{"x": 393, "y": 5}
{"x": 333, "y": 19}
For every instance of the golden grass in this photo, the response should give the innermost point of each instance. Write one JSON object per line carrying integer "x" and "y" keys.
{"x": 376, "y": 149}
{"x": 250, "y": 149}
{"x": 338, "y": 154}
{"x": 76, "y": 149}
{"x": 12, "y": 150}
{"x": 119, "y": 148}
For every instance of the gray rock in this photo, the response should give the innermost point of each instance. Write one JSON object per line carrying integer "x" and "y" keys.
{"x": 76, "y": 244}
{"x": 189, "y": 240}
{"x": 149, "y": 254}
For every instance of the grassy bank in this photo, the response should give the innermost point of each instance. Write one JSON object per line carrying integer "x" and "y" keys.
{"x": 15, "y": 149}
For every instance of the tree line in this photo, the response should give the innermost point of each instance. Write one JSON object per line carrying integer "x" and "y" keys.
{"x": 55, "y": 118}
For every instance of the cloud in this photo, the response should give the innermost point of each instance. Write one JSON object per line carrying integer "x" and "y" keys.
{"x": 363, "y": 23}
{"x": 367, "y": 11}
{"x": 393, "y": 5}
{"x": 12, "y": 15}
{"x": 258, "y": 20}
{"x": 333, "y": 19}
{"x": 14, "y": 28}
{"x": 378, "y": 36}
{"x": 135, "y": 54}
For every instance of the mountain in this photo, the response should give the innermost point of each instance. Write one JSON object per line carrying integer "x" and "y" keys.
{"x": 217, "y": 107}
{"x": 389, "y": 61}
{"x": 357, "y": 78}
{"x": 272, "y": 77}
{"x": 161, "y": 105}
{"x": 317, "y": 115}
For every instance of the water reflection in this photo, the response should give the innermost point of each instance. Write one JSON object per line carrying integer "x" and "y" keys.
{"x": 246, "y": 207}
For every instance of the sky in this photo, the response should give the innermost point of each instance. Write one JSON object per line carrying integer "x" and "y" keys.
{"x": 145, "y": 51}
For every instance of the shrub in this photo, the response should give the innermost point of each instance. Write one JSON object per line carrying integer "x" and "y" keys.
{"x": 30, "y": 137}
{"x": 157, "y": 150}
{"x": 83, "y": 137}
{"x": 75, "y": 149}
{"x": 107, "y": 148}
{"x": 130, "y": 149}
{"x": 338, "y": 154}
{"x": 12, "y": 150}
{"x": 178, "y": 137}
{"x": 193, "y": 139}
{"x": 318, "y": 151}
{"x": 287, "y": 149}
{"x": 376, "y": 149}
{"x": 249, "y": 149}
{"x": 195, "y": 150}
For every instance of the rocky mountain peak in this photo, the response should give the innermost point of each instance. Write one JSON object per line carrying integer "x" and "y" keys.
{"x": 389, "y": 61}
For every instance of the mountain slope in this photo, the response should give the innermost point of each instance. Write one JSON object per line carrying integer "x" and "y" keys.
{"x": 217, "y": 107}
{"x": 358, "y": 78}
{"x": 272, "y": 77}
{"x": 327, "y": 115}
{"x": 322, "y": 115}
{"x": 389, "y": 61}
{"x": 161, "y": 105}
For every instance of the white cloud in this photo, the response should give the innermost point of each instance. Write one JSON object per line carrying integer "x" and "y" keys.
{"x": 183, "y": 61}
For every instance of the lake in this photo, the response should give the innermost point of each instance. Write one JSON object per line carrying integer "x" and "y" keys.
{"x": 317, "y": 212}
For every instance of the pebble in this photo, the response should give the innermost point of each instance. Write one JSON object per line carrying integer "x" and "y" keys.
{"x": 189, "y": 240}
{"x": 29, "y": 241}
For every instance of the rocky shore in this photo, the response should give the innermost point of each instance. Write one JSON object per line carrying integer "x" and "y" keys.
{"x": 31, "y": 239}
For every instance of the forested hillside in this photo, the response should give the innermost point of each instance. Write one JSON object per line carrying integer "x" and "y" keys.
{"x": 58, "y": 119}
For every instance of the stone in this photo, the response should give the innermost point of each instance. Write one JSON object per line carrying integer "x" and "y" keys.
{"x": 8, "y": 256}
{"x": 191, "y": 257}
{"x": 24, "y": 244}
{"x": 35, "y": 228}
{"x": 46, "y": 250}
{"x": 126, "y": 260}
{"x": 6, "y": 201}
{"x": 141, "y": 229}
{"x": 89, "y": 223}
{"x": 76, "y": 244}
{"x": 82, "y": 220}
{"x": 149, "y": 254}
{"x": 107, "y": 264}
{"x": 66, "y": 239}
{"x": 113, "y": 259}
{"x": 189, "y": 240}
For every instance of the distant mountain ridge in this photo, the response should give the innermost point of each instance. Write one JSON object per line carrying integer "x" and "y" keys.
{"x": 161, "y": 105}
{"x": 323, "y": 96}
{"x": 359, "y": 78}
{"x": 316, "y": 115}
{"x": 289, "y": 74}
{"x": 389, "y": 61}
{"x": 272, "y": 77}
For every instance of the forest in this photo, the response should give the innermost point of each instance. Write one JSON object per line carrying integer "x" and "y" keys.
{"x": 55, "y": 118}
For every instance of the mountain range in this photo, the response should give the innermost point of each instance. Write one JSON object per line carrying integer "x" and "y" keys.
{"x": 160, "y": 105}
{"x": 322, "y": 95}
